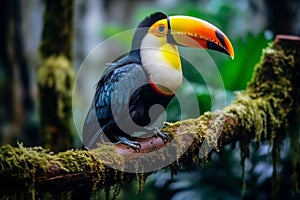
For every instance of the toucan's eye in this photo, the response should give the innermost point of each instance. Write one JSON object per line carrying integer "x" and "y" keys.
{"x": 161, "y": 28}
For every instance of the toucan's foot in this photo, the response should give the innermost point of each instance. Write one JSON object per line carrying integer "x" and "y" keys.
{"x": 162, "y": 135}
{"x": 133, "y": 144}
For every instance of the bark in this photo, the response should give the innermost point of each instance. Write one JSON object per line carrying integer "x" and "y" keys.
{"x": 261, "y": 112}
{"x": 16, "y": 101}
{"x": 7, "y": 88}
{"x": 28, "y": 126}
{"x": 55, "y": 75}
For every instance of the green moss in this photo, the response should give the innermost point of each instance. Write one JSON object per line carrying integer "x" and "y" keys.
{"x": 111, "y": 179}
{"x": 212, "y": 130}
{"x": 264, "y": 107}
{"x": 22, "y": 165}
{"x": 79, "y": 161}
{"x": 56, "y": 72}
{"x": 107, "y": 153}
{"x": 141, "y": 179}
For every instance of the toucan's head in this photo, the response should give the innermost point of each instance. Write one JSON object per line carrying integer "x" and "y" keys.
{"x": 183, "y": 31}
{"x": 156, "y": 39}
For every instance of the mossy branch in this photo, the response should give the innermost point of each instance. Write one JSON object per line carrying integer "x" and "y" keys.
{"x": 268, "y": 104}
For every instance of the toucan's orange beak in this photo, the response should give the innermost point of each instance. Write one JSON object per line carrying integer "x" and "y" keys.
{"x": 194, "y": 32}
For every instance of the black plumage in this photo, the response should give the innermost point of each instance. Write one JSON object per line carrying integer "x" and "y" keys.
{"x": 124, "y": 97}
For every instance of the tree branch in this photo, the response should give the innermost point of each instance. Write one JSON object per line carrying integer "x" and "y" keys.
{"x": 268, "y": 104}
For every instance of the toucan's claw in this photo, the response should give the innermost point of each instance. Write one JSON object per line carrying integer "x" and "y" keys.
{"x": 133, "y": 144}
{"x": 162, "y": 135}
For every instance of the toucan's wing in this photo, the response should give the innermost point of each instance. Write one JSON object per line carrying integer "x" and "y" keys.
{"x": 112, "y": 100}
{"x": 113, "y": 93}
{"x": 91, "y": 132}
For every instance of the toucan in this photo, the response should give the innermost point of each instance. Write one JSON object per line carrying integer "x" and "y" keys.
{"x": 135, "y": 89}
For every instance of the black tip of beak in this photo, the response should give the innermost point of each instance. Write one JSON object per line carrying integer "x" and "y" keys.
{"x": 220, "y": 37}
{"x": 214, "y": 46}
